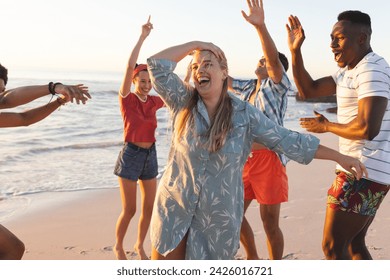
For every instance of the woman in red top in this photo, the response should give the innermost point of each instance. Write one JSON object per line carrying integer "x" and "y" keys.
{"x": 137, "y": 159}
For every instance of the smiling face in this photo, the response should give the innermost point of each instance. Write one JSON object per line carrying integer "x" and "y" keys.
{"x": 348, "y": 44}
{"x": 142, "y": 83}
{"x": 208, "y": 73}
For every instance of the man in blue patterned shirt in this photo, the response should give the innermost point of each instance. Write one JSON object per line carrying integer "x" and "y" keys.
{"x": 264, "y": 174}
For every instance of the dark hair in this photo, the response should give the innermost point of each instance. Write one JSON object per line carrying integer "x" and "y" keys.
{"x": 4, "y": 74}
{"x": 356, "y": 17}
{"x": 283, "y": 59}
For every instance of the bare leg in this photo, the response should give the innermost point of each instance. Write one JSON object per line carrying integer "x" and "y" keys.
{"x": 128, "y": 191}
{"x": 247, "y": 237}
{"x": 148, "y": 193}
{"x": 358, "y": 248}
{"x": 340, "y": 231}
{"x": 275, "y": 241}
{"x": 179, "y": 253}
{"x": 11, "y": 248}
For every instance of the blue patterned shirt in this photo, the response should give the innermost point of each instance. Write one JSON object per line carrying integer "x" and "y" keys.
{"x": 271, "y": 98}
{"x": 201, "y": 192}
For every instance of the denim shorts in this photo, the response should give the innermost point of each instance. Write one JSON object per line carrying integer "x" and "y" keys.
{"x": 135, "y": 163}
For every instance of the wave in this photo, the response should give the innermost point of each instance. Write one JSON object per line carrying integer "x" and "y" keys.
{"x": 7, "y": 196}
{"x": 84, "y": 146}
{"x": 91, "y": 133}
{"x": 23, "y": 155}
{"x": 110, "y": 92}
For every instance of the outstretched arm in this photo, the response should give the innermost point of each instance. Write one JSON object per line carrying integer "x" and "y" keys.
{"x": 366, "y": 125}
{"x": 9, "y": 119}
{"x": 22, "y": 95}
{"x": 128, "y": 77}
{"x": 307, "y": 87}
{"x": 350, "y": 164}
{"x": 257, "y": 19}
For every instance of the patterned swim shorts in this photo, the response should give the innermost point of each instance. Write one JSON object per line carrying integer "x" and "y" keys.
{"x": 362, "y": 197}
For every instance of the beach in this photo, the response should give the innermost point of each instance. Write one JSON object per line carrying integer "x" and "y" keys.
{"x": 80, "y": 225}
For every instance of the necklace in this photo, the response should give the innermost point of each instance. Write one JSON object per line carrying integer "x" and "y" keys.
{"x": 140, "y": 99}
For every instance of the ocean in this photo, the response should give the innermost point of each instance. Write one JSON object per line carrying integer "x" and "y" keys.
{"x": 76, "y": 147}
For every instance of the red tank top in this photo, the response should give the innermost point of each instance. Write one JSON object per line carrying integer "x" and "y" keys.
{"x": 139, "y": 118}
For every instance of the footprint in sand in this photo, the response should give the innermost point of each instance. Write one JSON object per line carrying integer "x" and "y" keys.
{"x": 131, "y": 253}
{"x": 290, "y": 257}
{"x": 374, "y": 248}
{"x": 107, "y": 249}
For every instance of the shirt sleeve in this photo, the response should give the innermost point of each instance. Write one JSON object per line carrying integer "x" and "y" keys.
{"x": 158, "y": 101}
{"x": 296, "y": 146}
{"x": 173, "y": 91}
{"x": 372, "y": 80}
{"x": 282, "y": 87}
{"x": 126, "y": 100}
{"x": 243, "y": 87}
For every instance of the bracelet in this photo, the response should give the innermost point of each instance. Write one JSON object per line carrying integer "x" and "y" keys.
{"x": 52, "y": 87}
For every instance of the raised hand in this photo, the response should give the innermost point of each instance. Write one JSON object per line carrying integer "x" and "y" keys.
{"x": 256, "y": 12}
{"x": 295, "y": 32}
{"x": 210, "y": 47}
{"x": 146, "y": 28}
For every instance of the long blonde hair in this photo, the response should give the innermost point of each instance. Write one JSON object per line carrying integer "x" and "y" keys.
{"x": 220, "y": 122}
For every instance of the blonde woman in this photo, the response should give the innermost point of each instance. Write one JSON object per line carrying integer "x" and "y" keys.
{"x": 199, "y": 203}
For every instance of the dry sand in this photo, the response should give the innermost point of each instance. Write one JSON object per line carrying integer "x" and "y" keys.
{"x": 81, "y": 225}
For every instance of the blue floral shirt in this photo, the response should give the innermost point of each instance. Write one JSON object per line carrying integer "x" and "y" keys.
{"x": 201, "y": 192}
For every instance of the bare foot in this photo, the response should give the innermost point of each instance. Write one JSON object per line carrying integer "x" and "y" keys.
{"x": 119, "y": 253}
{"x": 141, "y": 252}
{"x": 252, "y": 257}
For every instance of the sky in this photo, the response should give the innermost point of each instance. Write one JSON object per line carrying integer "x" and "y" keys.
{"x": 97, "y": 36}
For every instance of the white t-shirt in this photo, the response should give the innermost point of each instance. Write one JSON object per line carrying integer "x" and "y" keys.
{"x": 370, "y": 77}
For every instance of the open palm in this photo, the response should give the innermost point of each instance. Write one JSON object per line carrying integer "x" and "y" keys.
{"x": 296, "y": 34}
{"x": 256, "y": 12}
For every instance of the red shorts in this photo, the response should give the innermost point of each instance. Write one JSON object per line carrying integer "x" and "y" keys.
{"x": 362, "y": 197}
{"x": 265, "y": 178}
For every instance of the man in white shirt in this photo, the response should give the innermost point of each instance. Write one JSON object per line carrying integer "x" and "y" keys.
{"x": 362, "y": 86}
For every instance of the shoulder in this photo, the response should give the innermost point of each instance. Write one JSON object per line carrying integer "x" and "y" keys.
{"x": 242, "y": 110}
{"x": 241, "y": 83}
{"x": 281, "y": 88}
{"x": 157, "y": 100}
{"x": 285, "y": 80}
{"x": 372, "y": 68}
{"x": 373, "y": 62}
{"x": 127, "y": 96}
{"x": 238, "y": 104}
